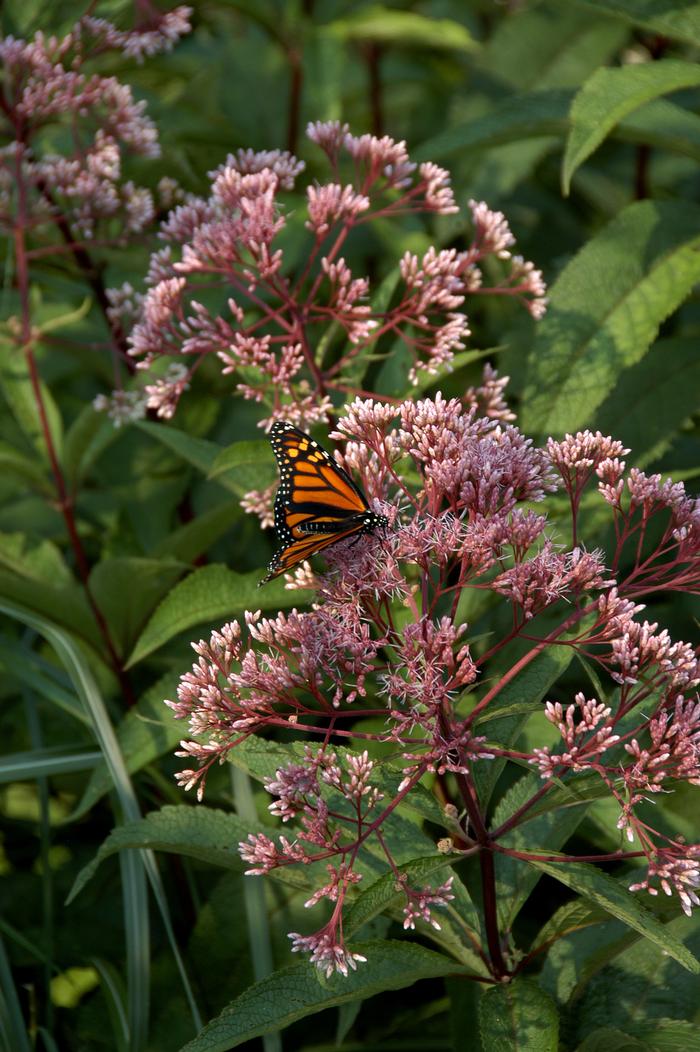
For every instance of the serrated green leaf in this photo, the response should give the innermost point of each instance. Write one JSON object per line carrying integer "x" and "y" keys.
{"x": 679, "y": 20}
{"x": 636, "y": 986}
{"x": 608, "y": 1039}
{"x": 262, "y": 758}
{"x": 518, "y": 1017}
{"x": 597, "y": 887}
{"x": 609, "y": 95}
{"x": 206, "y": 596}
{"x": 198, "y": 832}
{"x": 605, "y": 311}
{"x": 383, "y": 893}
{"x": 296, "y": 992}
{"x": 384, "y": 25}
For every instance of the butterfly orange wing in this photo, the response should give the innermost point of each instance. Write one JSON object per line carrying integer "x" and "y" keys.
{"x": 317, "y": 503}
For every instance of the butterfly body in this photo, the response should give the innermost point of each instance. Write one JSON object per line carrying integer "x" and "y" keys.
{"x": 317, "y": 503}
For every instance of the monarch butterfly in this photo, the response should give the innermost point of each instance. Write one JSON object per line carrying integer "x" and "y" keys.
{"x": 317, "y": 503}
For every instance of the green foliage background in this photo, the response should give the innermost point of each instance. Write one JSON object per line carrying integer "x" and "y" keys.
{"x": 581, "y": 121}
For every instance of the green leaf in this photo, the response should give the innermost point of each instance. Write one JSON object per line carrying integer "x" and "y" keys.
{"x": 383, "y": 25}
{"x": 605, "y": 310}
{"x": 518, "y": 1017}
{"x": 577, "y": 790}
{"x": 262, "y": 758}
{"x": 527, "y": 116}
{"x": 652, "y": 400}
{"x": 384, "y": 892}
{"x": 671, "y": 1035}
{"x": 514, "y": 879}
{"x": 597, "y": 887}
{"x": 641, "y": 986}
{"x": 24, "y": 468}
{"x": 609, "y": 95}
{"x": 136, "y": 921}
{"x": 207, "y": 595}
{"x": 18, "y": 390}
{"x": 677, "y": 19}
{"x": 65, "y": 604}
{"x": 14, "y": 1031}
{"x": 199, "y": 832}
{"x": 86, "y": 439}
{"x": 549, "y": 45}
{"x": 127, "y": 608}
{"x": 198, "y": 452}
{"x": 607, "y": 1039}
{"x": 462, "y": 358}
{"x": 664, "y": 125}
{"x": 66, "y": 319}
{"x": 572, "y": 916}
{"x": 247, "y": 465}
{"x": 188, "y": 542}
{"x": 147, "y": 731}
{"x": 297, "y": 991}
{"x": 497, "y": 722}
{"x": 36, "y": 560}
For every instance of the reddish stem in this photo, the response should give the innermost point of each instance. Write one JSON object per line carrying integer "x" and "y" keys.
{"x": 65, "y": 499}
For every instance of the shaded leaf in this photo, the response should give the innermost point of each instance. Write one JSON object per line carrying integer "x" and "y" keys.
{"x": 679, "y": 20}
{"x": 198, "y": 832}
{"x": 246, "y": 465}
{"x": 514, "y": 879}
{"x": 609, "y": 95}
{"x": 41, "y": 763}
{"x": 126, "y": 608}
{"x": 522, "y": 117}
{"x": 148, "y": 730}
{"x": 205, "y": 597}
{"x": 18, "y": 390}
{"x": 518, "y": 1016}
{"x": 605, "y": 311}
{"x": 596, "y": 886}
{"x": 296, "y": 992}
{"x": 652, "y": 400}
{"x": 384, "y": 893}
{"x": 385, "y": 25}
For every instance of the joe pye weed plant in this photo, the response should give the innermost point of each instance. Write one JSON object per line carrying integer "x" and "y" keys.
{"x": 459, "y": 751}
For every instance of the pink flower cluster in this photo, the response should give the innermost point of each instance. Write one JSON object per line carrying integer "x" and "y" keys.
{"x": 385, "y": 639}
{"x": 47, "y": 82}
{"x": 296, "y": 333}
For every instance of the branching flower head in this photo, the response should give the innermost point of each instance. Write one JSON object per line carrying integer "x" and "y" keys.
{"x": 295, "y": 336}
{"x": 384, "y": 638}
